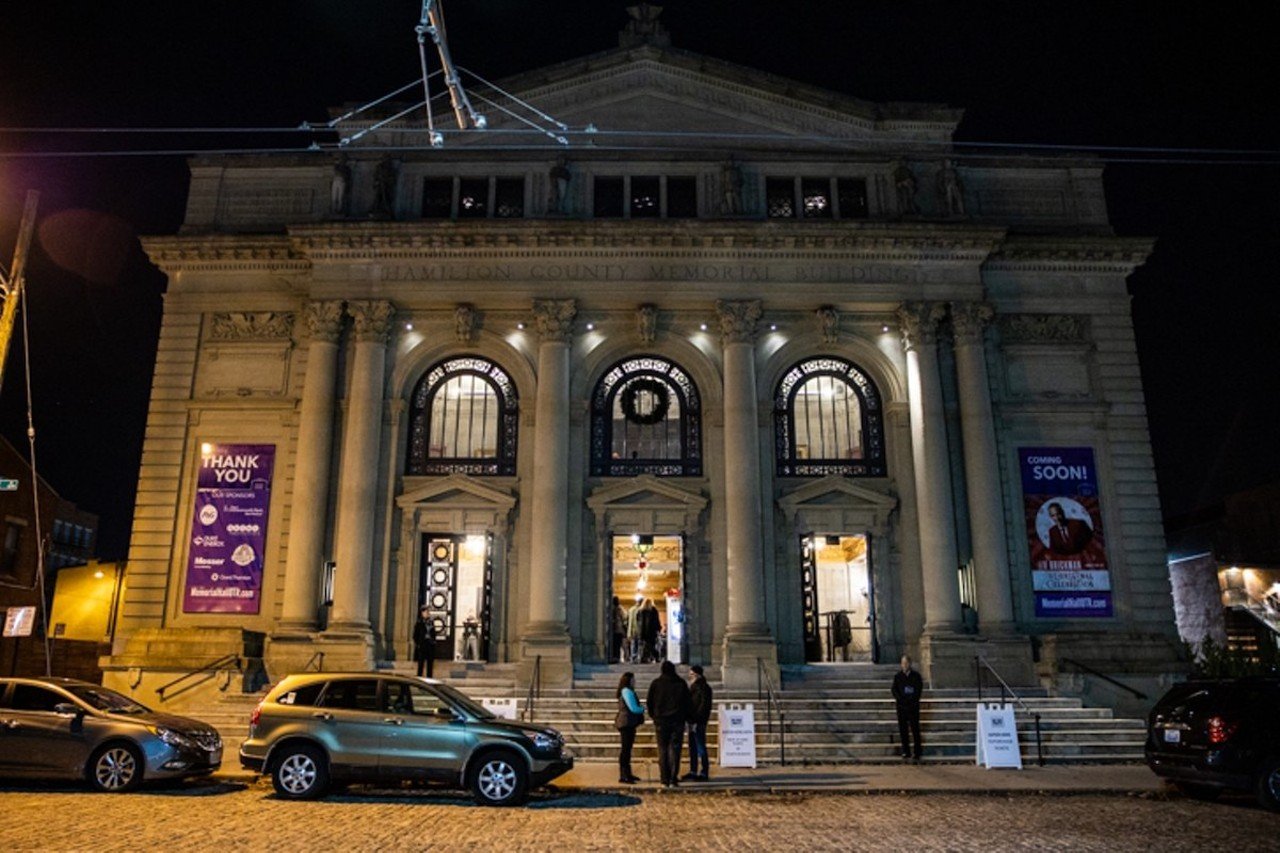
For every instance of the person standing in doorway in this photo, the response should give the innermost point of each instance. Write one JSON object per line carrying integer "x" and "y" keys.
{"x": 630, "y": 716}
{"x": 670, "y": 707}
{"x": 700, "y": 706}
{"x": 617, "y": 630}
{"x": 907, "y": 688}
{"x": 650, "y": 625}
{"x": 424, "y": 643}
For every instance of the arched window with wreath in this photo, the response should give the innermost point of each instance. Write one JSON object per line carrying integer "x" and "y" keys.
{"x": 828, "y": 420}
{"x": 463, "y": 417}
{"x": 646, "y": 419}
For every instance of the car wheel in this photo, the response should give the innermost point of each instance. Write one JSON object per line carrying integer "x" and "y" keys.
{"x": 116, "y": 768}
{"x": 500, "y": 779}
{"x": 1207, "y": 793}
{"x": 1269, "y": 784}
{"x": 300, "y": 773}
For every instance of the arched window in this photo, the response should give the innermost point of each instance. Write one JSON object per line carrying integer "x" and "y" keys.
{"x": 646, "y": 419}
{"x": 463, "y": 419}
{"x": 827, "y": 420}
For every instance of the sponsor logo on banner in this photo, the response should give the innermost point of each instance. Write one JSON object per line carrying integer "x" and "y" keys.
{"x": 1069, "y": 571}
{"x": 228, "y": 532}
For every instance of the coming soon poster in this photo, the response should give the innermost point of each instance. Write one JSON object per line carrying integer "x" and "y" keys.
{"x": 229, "y": 531}
{"x": 1069, "y": 570}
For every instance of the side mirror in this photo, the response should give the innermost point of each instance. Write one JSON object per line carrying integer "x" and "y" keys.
{"x": 68, "y": 709}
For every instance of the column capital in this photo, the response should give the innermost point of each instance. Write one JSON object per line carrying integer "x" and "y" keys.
{"x": 554, "y": 318}
{"x": 738, "y": 320}
{"x": 970, "y": 320}
{"x": 324, "y": 320}
{"x": 918, "y": 322}
{"x": 372, "y": 319}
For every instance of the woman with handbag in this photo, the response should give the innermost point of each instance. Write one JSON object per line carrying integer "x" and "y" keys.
{"x": 630, "y": 716}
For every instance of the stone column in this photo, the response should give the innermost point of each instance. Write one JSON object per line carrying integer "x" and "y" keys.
{"x": 919, "y": 322}
{"x": 546, "y": 635}
{"x": 311, "y": 470}
{"x": 982, "y": 469}
{"x": 358, "y": 479}
{"x": 746, "y": 636}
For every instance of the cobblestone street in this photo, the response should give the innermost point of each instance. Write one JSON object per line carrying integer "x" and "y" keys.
{"x": 226, "y": 816}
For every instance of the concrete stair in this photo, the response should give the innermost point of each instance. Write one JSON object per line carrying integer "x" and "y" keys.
{"x": 833, "y": 714}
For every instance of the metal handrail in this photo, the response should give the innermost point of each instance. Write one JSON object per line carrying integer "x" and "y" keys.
{"x": 764, "y": 691}
{"x": 535, "y": 688}
{"x": 1138, "y": 694}
{"x": 318, "y": 660}
{"x": 978, "y": 663}
{"x": 213, "y": 666}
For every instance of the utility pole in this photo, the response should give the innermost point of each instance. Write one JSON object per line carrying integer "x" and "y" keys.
{"x": 11, "y": 288}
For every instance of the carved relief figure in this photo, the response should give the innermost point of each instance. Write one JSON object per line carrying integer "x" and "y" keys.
{"x": 905, "y": 183}
{"x": 647, "y": 323}
{"x": 828, "y": 324}
{"x": 464, "y": 323}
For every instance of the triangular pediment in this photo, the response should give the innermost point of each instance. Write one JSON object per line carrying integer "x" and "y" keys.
{"x": 644, "y": 490}
{"x": 835, "y": 490}
{"x": 457, "y": 489}
{"x": 649, "y": 90}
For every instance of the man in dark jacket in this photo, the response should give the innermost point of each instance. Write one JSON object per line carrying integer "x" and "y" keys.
{"x": 670, "y": 706}
{"x": 907, "y": 687}
{"x": 424, "y": 643}
{"x": 700, "y": 699}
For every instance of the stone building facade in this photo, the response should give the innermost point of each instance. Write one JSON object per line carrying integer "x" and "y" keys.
{"x": 775, "y": 352}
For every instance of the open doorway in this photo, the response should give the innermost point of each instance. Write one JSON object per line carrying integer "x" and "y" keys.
{"x": 456, "y": 586}
{"x": 648, "y": 577}
{"x": 839, "y": 602}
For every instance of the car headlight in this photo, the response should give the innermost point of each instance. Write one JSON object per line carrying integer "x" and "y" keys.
{"x": 174, "y": 738}
{"x": 546, "y": 742}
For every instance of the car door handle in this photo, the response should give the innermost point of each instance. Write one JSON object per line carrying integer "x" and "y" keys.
{"x": 395, "y": 721}
{"x": 323, "y": 715}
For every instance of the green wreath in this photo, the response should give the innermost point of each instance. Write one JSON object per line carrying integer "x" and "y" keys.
{"x": 661, "y": 401}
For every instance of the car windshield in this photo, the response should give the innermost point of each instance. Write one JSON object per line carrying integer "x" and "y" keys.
{"x": 102, "y": 699}
{"x": 461, "y": 700}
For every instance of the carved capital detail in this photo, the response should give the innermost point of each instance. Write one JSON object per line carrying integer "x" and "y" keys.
{"x": 738, "y": 320}
{"x": 1042, "y": 328}
{"x": 919, "y": 323}
{"x": 647, "y": 323}
{"x": 828, "y": 323}
{"x": 372, "y": 319}
{"x": 970, "y": 319}
{"x": 324, "y": 320}
{"x": 251, "y": 326}
{"x": 554, "y": 318}
{"x": 464, "y": 323}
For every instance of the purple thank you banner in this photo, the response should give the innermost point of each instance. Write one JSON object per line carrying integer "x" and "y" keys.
{"x": 229, "y": 530}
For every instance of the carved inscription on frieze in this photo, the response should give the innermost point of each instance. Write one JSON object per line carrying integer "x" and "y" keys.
{"x": 694, "y": 271}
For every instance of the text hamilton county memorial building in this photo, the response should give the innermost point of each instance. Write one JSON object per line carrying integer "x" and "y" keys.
{"x": 770, "y": 357}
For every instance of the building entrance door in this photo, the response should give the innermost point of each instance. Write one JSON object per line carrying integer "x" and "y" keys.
{"x": 647, "y": 573}
{"x": 456, "y": 586}
{"x": 838, "y": 598}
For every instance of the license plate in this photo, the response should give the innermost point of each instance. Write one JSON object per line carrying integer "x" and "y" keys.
{"x": 1172, "y": 735}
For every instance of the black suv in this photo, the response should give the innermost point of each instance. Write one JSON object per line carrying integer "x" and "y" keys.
{"x": 1206, "y": 736}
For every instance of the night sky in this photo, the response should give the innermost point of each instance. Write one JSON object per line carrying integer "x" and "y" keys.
{"x": 1134, "y": 74}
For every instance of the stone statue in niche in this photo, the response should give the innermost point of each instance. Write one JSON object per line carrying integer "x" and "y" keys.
{"x": 731, "y": 187}
{"x": 950, "y": 190}
{"x": 385, "y": 178}
{"x": 340, "y": 187}
{"x": 828, "y": 324}
{"x": 560, "y": 176}
{"x": 904, "y": 180}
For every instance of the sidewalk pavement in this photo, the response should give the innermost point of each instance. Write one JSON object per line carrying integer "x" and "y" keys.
{"x": 860, "y": 778}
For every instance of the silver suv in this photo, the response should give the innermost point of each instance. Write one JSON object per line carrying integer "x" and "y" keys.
{"x": 318, "y": 728}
